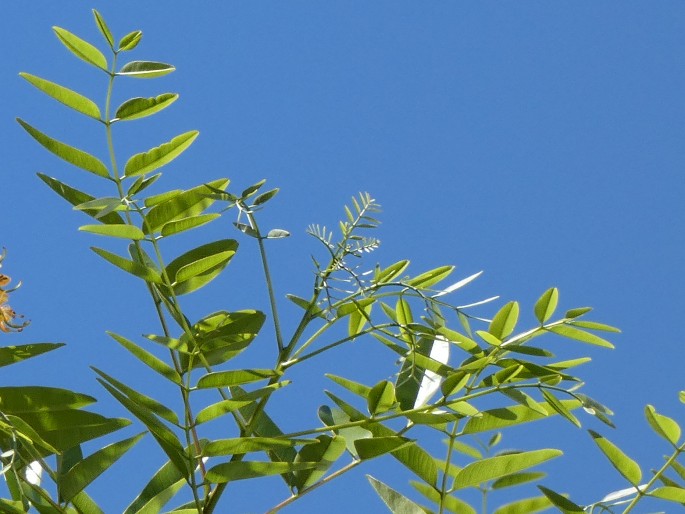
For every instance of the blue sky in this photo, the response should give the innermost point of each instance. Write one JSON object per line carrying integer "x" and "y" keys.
{"x": 538, "y": 141}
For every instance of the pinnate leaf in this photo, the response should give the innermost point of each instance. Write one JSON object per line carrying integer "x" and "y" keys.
{"x": 64, "y": 95}
{"x": 81, "y": 49}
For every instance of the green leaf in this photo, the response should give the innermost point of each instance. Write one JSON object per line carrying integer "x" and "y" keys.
{"x": 524, "y": 399}
{"x": 623, "y": 464}
{"x": 160, "y": 155}
{"x": 396, "y": 502}
{"x": 220, "y": 252}
{"x": 517, "y": 478}
{"x": 390, "y": 272}
{"x": 179, "y": 205}
{"x": 141, "y": 183}
{"x": 265, "y": 197}
{"x": 580, "y": 335}
{"x": 370, "y": 448}
{"x": 76, "y": 197}
{"x": 505, "y": 320}
{"x": 663, "y": 425}
{"x": 104, "y": 29}
{"x": 355, "y": 387}
{"x": 430, "y": 278}
{"x": 562, "y": 503}
{"x": 243, "y": 470}
{"x": 138, "y": 107}
{"x": 525, "y": 506}
{"x": 161, "y": 488}
{"x": 332, "y": 417}
{"x": 593, "y": 325}
{"x": 145, "y": 69}
{"x": 72, "y": 155}
{"x": 503, "y": 417}
{"x": 13, "y": 354}
{"x": 236, "y": 377}
{"x": 88, "y": 469}
{"x": 17, "y": 400}
{"x": 141, "y": 399}
{"x": 130, "y": 41}
{"x": 148, "y": 359}
{"x": 183, "y": 224}
{"x": 249, "y": 191}
{"x": 220, "y": 408}
{"x": 546, "y": 305}
{"x": 242, "y": 445}
{"x": 122, "y": 231}
{"x": 166, "y": 439}
{"x": 147, "y": 274}
{"x": 66, "y": 96}
{"x": 502, "y": 465}
{"x": 381, "y": 398}
{"x": 325, "y": 452}
{"x": 81, "y": 49}
{"x": 576, "y": 313}
{"x": 559, "y": 407}
{"x": 670, "y": 493}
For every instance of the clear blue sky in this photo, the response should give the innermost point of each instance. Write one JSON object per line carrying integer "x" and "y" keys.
{"x": 541, "y": 142}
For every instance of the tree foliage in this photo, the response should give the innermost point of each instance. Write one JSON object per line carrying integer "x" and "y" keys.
{"x": 453, "y": 365}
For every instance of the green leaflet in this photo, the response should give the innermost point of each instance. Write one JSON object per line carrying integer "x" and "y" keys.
{"x": 623, "y": 464}
{"x": 372, "y": 447}
{"x": 517, "y": 479}
{"x": 141, "y": 107}
{"x": 237, "y": 402}
{"x": 145, "y": 69}
{"x": 130, "y": 41}
{"x": 81, "y": 49}
{"x": 502, "y": 465}
{"x": 243, "y": 470}
{"x": 157, "y": 157}
{"x": 559, "y": 407}
{"x": 396, "y": 502}
{"x": 161, "y": 488}
{"x": 76, "y": 197}
{"x": 562, "y": 503}
{"x": 18, "y": 400}
{"x": 234, "y": 377}
{"x": 663, "y": 425}
{"x": 381, "y": 398}
{"x": 13, "y": 354}
{"x": 104, "y": 29}
{"x": 179, "y": 205}
{"x": 503, "y": 417}
{"x": 88, "y": 469}
{"x": 183, "y": 224}
{"x": 148, "y": 359}
{"x": 546, "y": 305}
{"x": 355, "y": 387}
{"x": 166, "y": 439}
{"x": 72, "y": 155}
{"x": 505, "y": 320}
{"x": 121, "y": 231}
{"x": 241, "y": 445}
{"x": 670, "y": 493}
{"x": 326, "y": 451}
{"x": 580, "y": 335}
{"x": 430, "y": 278}
{"x": 134, "y": 268}
{"x": 66, "y": 96}
{"x": 192, "y": 270}
{"x": 391, "y": 272}
{"x": 143, "y": 400}
{"x": 525, "y": 506}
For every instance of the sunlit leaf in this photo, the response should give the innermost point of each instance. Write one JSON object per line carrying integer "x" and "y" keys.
{"x": 670, "y": 493}
{"x": 159, "y": 156}
{"x": 350, "y": 385}
{"x": 141, "y": 107}
{"x": 161, "y": 488}
{"x": 76, "y": 197}
{"x": 505, "y": 320}
{"x": 241, "y": 445}
{"x": 145, "y": 69}
{"x": 243, "y": 470}
{"x": 148, "y": 359}
{"x": 183, "y": 224}
{"x": 458, "y": 285}
{"x": 235, "y": 377}
{"x": 517, "y": 478}
{"x": 391, "y": 272}
{"x": 580, "y": 335}
{"x": 559, "y": 407}
{"x": 64, "y": 95}
{"x": 277, "y": 233}
{"x": 103, "y": 28}
{"x": 593, "y": 325}
{"x": 663, "y": 425}
{"x": 130, "y": 41}
{"x": 546, "y": 304}
{"x": 72, "y": 155}
{"x": 18, "y": 400}
{"x": 202, "y": 265}
{"x": 381, "y": 397}
{"x": 502, "y": 465}
{"x": 372, "y": 447}
{"x": 224, "y": 248}
{"x": 578, "y": 312}
{"x": 81, "y": 49}
{"x": 325, "y": 452}
{"x": 623, "y": 464}
{"x": 496, "y": 419}
{"x": 395, "y": 501}
{"x": 88, "y": 469}
{"x": 13, "y": 354}
{"x": 122, "y": 231}
{"x": 147, "y": 274}
{"x": 525, "y": 506}
{"x": 430, "y": 278}
{"x": 450, "y": 503}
